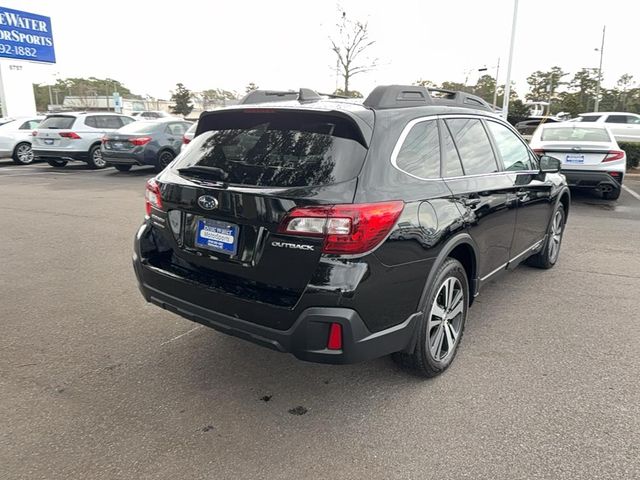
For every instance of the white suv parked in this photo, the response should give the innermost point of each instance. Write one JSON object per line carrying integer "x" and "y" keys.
{"x": 624, "y": 126}
{"x": 64, "y": 137}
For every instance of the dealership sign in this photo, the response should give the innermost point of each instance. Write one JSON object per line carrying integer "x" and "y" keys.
{"x": 26, "y": 36}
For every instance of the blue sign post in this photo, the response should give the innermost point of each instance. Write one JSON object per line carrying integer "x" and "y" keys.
{"x": 26, "y": 36}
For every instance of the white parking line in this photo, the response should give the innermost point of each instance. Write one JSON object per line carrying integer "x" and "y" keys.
{"x": 631, "y": 192}
{"x": 181, "y": 335}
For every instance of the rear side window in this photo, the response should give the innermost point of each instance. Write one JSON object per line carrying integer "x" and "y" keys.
{"x": 515, "y": 155}
{"x": 420, "y": 151}
{"x": 580, "y": 134}
{"x": 473, "y": 146}
{"x": 276, "y": 148}
{"x": 589, "y": 118}
{"x": 622, "y": 119}
{"x": 59, "y": 122}
{"x": 29, "y": 125}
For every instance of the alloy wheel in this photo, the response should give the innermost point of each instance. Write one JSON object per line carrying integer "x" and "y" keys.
{"x": 24, "y": 153}
{"x": 445, "y": 319}
{"x": 98, "y": 161}
{"x": 556, "y": 236}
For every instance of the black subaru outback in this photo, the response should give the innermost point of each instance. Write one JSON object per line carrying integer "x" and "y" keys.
{"x": 341, "y": 232}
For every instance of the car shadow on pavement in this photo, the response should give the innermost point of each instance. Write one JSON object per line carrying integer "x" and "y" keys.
{"x": 225, "y": 375}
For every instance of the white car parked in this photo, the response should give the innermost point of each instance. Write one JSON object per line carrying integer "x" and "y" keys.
{"x": 62, "y": 137}
{"x": 16, "y": 136}
{"x": 590, "y": 155}
{"x": 188, "y": 136}
{"x": 624, "y": 126}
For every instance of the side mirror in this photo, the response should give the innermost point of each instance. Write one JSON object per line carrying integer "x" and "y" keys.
{"x": 549, "y": 164}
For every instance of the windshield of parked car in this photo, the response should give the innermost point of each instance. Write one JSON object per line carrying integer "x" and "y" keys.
{"x": 277, "y": 149}
{"x": 139, "y": 127}
{"x": 579, "y": 134}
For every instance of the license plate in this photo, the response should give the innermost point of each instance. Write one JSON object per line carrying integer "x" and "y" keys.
{"x": 48, "y": 141}
{"x": 118, "y": 145}
{"x": 574, "y": 159}
{"x": 217, "y": 236}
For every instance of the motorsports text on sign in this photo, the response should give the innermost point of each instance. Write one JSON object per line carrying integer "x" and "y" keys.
{"x": 26, "y": 36}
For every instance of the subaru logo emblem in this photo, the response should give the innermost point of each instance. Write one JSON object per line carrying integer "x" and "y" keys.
{"x": 208, "y": 202}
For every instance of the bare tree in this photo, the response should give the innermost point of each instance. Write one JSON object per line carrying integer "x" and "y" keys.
{"x": 350, "y": 47}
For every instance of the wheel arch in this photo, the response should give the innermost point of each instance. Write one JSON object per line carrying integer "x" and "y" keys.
{"x": 463, "y": 248}
{"x": 565, "y": 198}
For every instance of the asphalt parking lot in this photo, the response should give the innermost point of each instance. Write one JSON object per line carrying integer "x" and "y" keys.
{"x": 96, "y": 384}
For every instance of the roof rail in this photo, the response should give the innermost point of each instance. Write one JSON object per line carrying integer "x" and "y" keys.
{"x": 400, "y": 96}
{"x": 264, "y": 96}
{"x": 459, "y": 99}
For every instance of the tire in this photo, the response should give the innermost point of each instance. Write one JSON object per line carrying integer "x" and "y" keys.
{"x": 96, "y": 162}
{"x": 165, "y": 157}
{"x": 54, "y": 162}
{"x": 612, "y": 195}
{"x": 548, "y": 256}
{"x": 429, "y": 358}
{"x": 123, "y": 168}
{"x": 23, "y": 154}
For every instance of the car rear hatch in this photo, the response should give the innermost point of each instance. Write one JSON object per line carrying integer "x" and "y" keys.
{"x": 55, "y": 132}
{"x": 131, "y": 137}
{"x": 224, "y": 200}
{"x": 578, "y": 146}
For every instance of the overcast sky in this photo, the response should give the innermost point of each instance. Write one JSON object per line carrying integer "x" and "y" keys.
{"x": 149, "y": 46}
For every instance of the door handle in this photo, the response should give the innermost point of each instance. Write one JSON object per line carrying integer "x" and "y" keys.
{"x": 470, "y": 201}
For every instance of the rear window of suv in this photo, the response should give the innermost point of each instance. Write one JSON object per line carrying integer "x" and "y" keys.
{"x": 59, "y": 122}
{"x": 276, "y": 149}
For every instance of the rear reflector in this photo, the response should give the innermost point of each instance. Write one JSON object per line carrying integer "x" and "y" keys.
{"x": 71, "y": 135}
{"x": 335, "y": 337}
{"x": 139, "y": 141}
{"x": 152, "y": 196}
{"x": 346, "y": 229}
{"x": 614, "y": 155}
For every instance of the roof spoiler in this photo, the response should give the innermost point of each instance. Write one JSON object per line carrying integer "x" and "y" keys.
{"x": 399, "y": 96}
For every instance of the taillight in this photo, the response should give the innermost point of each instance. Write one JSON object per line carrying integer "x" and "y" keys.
{"x": 186, "y": 140}
{"x": 34, "y": 133}
{"x": 71, "y": 135}
{"x": 614, "y": 155}
{"x": 346, "y": 229}
{"x": 538, "y": 151}
{"x": 103, "y": 139}
{"x": 152, "y": 196}
{"x": 139, "y": 141}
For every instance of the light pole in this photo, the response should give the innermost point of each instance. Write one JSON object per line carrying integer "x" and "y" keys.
{"x": 601, "y": 49}
{"x": 507, "y": 84}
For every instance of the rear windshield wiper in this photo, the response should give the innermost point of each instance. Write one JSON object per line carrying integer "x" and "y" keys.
{"x": 210, "y": 173}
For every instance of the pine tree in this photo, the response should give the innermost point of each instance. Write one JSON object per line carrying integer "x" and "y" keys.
{"x": 182, "y": 100}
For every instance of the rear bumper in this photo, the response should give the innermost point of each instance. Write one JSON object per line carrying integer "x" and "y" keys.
{"x": 61, "y": 154}
{"x": 124, "y": 158}
{"x": 306, "y": 338}
{"x": 592, "y": 179}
